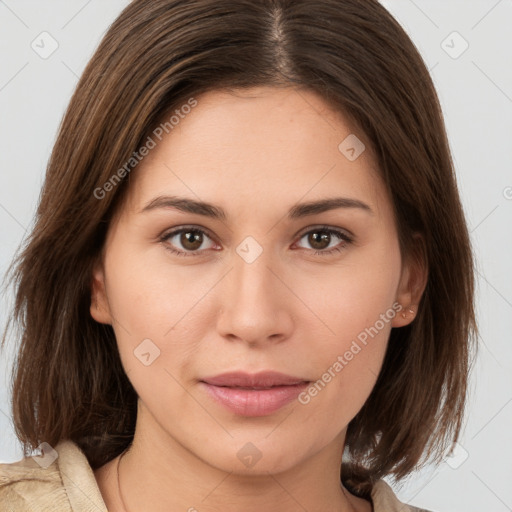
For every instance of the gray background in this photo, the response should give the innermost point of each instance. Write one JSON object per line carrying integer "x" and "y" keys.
{"x": 475, "y": 89}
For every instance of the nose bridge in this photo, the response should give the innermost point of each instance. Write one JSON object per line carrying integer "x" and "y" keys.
{"x": 253, "y": 280}
{"x": 252, "y": 302}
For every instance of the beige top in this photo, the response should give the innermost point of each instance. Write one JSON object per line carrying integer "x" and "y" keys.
{"x": 68, "y": 485}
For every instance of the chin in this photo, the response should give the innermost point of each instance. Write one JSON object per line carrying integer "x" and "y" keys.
{"x": 255, "y": 458}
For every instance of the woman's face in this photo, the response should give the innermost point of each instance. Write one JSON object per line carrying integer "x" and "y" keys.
{"x": 247, "y": 291}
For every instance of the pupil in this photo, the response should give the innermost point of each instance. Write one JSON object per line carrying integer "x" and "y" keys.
{"x": 192, "y": 240}
{"x": 315, "y": 238}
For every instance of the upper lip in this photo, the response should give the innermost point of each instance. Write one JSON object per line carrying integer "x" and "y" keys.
{"x": 261, "y": 379}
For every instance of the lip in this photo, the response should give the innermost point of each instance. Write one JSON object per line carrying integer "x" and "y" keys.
{"x": 258, "y": 394}
{"x": 263, "y": 379}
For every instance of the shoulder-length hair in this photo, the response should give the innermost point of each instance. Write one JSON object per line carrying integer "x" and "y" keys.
{"x": 158, "y": 55}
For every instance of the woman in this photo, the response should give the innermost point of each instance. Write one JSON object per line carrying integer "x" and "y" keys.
{"x": 250, "y": 282}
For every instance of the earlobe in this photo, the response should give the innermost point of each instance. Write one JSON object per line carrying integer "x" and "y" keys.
{"x": 405, "y": 315}
{"x": 99, "y": 308}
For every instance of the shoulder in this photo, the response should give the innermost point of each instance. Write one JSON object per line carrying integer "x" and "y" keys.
{"x": 61, "y": 479}
{"x": 385, "y": 500}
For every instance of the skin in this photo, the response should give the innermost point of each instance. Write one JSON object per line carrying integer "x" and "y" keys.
{"x": 255, "y": 154}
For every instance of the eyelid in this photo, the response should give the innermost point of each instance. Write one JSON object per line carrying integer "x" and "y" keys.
{"x": 325, "y": 227}
{"x": 191, "y": 227}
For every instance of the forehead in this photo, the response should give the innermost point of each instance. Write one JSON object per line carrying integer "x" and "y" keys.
{"x": 258, "y": 146}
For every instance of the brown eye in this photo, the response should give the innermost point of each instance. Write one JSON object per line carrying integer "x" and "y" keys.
{"x": 191, "y": 240}
{"x": 321, "y": 240}
{"x": 186, "y": 241}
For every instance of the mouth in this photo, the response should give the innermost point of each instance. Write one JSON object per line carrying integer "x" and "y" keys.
{"x": 260, "y": 394}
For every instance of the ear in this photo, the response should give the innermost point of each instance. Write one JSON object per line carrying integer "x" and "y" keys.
{"x": 412, "y": 282}
{"x": 99, "y": 309}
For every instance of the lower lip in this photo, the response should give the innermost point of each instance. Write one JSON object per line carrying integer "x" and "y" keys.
{"x": 246, "y": 402}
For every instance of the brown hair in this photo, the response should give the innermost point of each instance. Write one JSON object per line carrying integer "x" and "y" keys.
{"x": 69, "y": 381}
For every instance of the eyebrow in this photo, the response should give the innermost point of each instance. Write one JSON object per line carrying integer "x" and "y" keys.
{"x": 216, "y": 212}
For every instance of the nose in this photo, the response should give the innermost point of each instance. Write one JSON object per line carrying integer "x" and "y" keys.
{"x": 255, "y": 303}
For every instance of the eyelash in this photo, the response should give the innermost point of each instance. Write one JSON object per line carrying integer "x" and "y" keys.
{"x": 323, "y": 229}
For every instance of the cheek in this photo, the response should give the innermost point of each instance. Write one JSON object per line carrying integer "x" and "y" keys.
{"x": 356, "y": 309}
{"x": 346, "y": 298}
{"x": 150, "y": 294}
{"x": 347, "y": 366}
{"x": 159, "y": 319}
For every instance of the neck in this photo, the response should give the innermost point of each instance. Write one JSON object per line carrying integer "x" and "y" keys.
{"x": 158, "y": 474}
